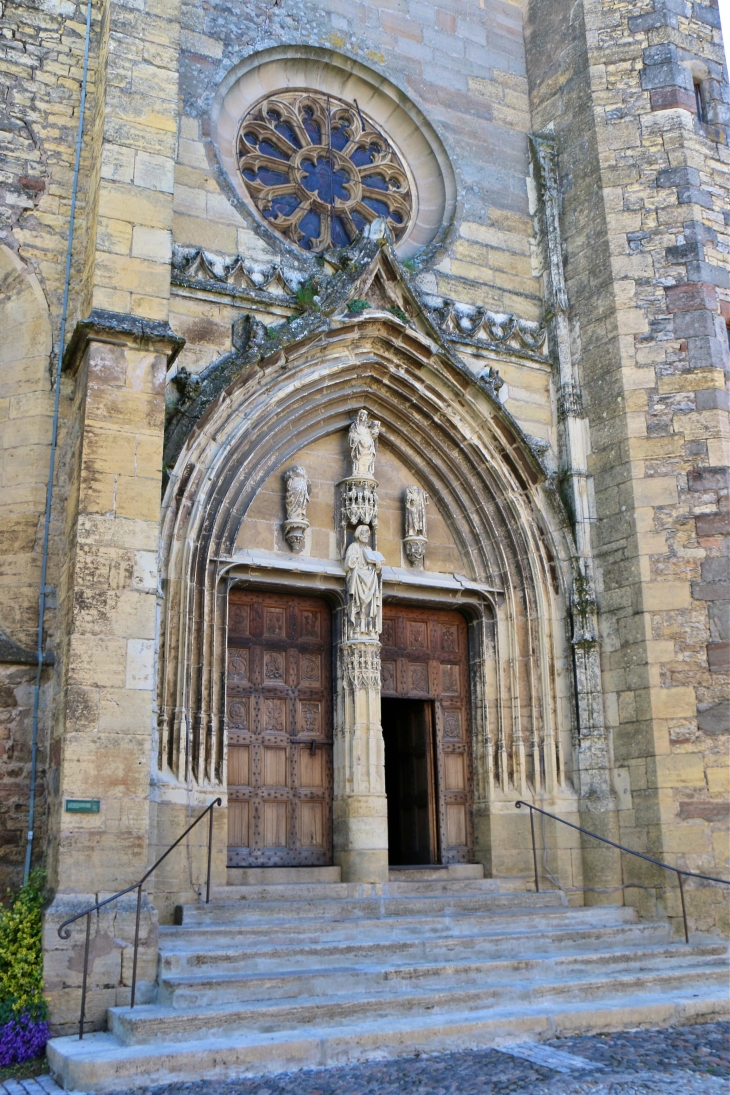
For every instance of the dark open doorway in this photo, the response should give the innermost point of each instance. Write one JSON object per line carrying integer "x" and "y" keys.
{"x": 410, "y": 782}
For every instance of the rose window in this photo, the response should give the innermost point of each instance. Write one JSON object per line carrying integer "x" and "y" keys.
{"x": 319, "y": 172}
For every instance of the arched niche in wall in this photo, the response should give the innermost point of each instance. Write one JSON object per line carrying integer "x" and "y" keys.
{"x": 24, "y": 439}
{"x": 421, "y": 169}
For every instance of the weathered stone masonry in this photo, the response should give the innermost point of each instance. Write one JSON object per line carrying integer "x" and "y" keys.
{"x": 551, "y": 368}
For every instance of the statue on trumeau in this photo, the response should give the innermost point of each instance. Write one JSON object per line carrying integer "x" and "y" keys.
{"x": 363, "y": 438}
{"x": 364, "y": 587}
{"x": 298, "y": 490}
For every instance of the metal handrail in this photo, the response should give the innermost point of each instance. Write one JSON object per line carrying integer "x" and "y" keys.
{"x": 64, "y": 932}
{"x": 679, "y": 871}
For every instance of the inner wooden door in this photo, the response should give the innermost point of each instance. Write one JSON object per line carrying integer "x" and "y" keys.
{"x": 409, "y": 781}
{"x": 279, "y": 730}
{"x": 425, "y": 658}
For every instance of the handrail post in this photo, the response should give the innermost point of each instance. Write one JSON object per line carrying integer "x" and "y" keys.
{"x": 684, "y": 910}
{"x": 534, "y": 849}
{"x": 210, "y": 850}
{"x": 136, "y": 944}
{"x": 83, "y": 982}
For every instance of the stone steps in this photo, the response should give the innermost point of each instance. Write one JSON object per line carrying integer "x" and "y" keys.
{"x": 242, "y": 929}
{"x": 201, "y": 954}
{"x": 276, "y": 910}
{"x": 501, "y": 977}
{"x": 101, "y": 1063}
{"x": 398, "y": 887}
{"x": 283, "y": 975}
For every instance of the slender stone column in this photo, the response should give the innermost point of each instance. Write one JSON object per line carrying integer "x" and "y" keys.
{"x": 360, "y": 805}
{"x": 602, "y": 865}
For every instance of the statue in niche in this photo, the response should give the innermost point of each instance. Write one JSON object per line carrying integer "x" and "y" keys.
{"x": 298, "y": 489}
{"x": 363, "y": 437}
{"x": 415, "y": 540}
{"x": 364, "y": 589}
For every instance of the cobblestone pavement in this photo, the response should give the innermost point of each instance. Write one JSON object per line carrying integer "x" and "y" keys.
{"x": 691, "y": 1060}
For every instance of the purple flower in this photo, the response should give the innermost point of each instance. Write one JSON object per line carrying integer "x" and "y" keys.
{"x": 22, "y": 1039}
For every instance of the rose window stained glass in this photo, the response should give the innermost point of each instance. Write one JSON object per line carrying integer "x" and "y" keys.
{"x": 319, "y": 172}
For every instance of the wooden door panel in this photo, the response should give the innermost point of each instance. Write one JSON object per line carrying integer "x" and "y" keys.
{"x": 275, "y": 827}
{"x": 311, "y": 768}
{"x": 274, "y": 767}
{"x": 455, "y": 825}
{"x": 312, "y": 824}
{"x": 425, "y": 656}
{"x": 239, "y": 767}
{"x": 454, "y": 777}
{"x": 238, "y": 823}
{"x": 278, "y": 703}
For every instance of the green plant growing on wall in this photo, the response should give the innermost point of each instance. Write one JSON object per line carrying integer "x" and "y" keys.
{"x": 357, "y": 306}
{"x": 306, "y": 293}
{"x": 398, "y": 313}
{"x": 23, "y": 1011}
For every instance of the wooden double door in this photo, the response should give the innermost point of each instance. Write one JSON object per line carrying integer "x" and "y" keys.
{"x": 279, "y": 730}
{"x": 427, "y": 734}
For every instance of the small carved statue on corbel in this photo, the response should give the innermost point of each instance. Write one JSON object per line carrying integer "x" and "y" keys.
{"x": 416, "y": 539}
{"x": 298, "y": 488}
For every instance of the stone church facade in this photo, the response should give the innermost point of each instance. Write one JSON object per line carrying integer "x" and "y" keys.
{"x": 391, "y": 483}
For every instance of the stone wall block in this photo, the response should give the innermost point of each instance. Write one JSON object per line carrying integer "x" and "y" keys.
{"x": 694, "y": 324}
{"x": 706, "y": 353}
{"x": 666, "y": 75}
{"x": 110, "y": 958}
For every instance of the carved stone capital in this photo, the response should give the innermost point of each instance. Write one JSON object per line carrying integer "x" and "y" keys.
{"x": 570, "y": 401}
{"x": 361, "y": 664}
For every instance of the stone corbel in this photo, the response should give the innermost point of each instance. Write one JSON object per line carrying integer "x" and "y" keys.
{"x": 121, "y": 329}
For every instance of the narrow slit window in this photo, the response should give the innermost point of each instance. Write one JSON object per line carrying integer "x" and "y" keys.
{"x": 699, "y": 101}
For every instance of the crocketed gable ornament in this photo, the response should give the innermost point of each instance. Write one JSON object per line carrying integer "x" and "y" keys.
{"x": 318, "y": 171}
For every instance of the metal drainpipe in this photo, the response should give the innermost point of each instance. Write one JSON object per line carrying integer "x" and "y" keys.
{"x": 52, "y": 464}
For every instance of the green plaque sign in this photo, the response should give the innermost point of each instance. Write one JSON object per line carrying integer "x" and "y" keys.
{"x": 82, "y": 805}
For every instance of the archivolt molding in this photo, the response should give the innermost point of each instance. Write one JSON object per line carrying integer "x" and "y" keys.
{"x": 366, "y": 280}
{"x": 445, "y": 426}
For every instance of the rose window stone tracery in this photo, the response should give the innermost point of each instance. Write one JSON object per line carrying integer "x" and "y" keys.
{"x": 319, "y": 172}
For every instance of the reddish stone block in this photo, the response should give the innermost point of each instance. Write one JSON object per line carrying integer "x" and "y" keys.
{"x": 669, "y": 98}
{"x": 718, "y": 657}
{"x": 446, "y": 21}
{"x": 404, "y": 28}
{"x": 691, "y": 297}
{"x": 30, "y": 183}
{"x": 713, "y": 524}
{"x": 708, "y": 811}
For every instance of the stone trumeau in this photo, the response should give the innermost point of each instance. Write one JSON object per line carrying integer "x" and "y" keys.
{"x": 391, "y": 485}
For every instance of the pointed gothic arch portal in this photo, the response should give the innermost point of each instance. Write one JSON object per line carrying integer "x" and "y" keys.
{"x": 503, "y": 559}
